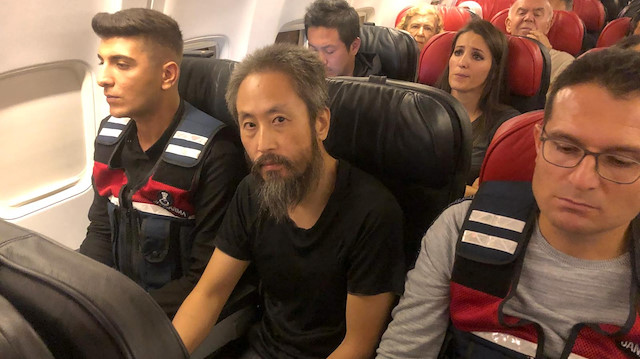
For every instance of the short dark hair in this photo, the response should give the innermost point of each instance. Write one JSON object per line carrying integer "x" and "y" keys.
{"x": 495, "y": 93}
{"x": 335, "y": 14}
{"x": 616, "y": 70}
{"x": 152, "y": 25}
{"x": 301, "y": 65}
{"x": 628, "y": 42}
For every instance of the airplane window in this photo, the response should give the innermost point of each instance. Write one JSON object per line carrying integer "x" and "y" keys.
{"x": 208, "y": 46}
{"x": 46, "y": 115}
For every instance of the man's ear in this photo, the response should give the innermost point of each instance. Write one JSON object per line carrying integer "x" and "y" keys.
{"x": 170, "y": 74}
{"x": 355, "y": 46}
{"x": 507, "y": 24}
{"x": 323, "y": 122}
{"x": 537, "y": 132}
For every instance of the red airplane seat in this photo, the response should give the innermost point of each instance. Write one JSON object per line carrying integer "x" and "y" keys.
{"x": 566, "y": 33}
{"x": 595, "y": 49}
{"x": 512, "y": 152}
{"x": 591, "y": 12}
{"x": 401, "y": 14}
{"x": 453, "y": 18}
{"x": 614, "y": 31}
{"x": 490, "y": 7}
{"x": 529, "y": 68}
{"x": 434, "y": 57}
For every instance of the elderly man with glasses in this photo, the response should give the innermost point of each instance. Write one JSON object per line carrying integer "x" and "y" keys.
{"x": 547, "y": 269}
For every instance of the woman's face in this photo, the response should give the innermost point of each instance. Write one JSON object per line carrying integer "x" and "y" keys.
{"x": 469, "y": 64}
{"x": 422, "y": 28}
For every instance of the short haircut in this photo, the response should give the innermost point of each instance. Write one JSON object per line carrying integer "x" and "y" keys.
{"x": 299, "y": 64}
{"x": 495, "y": 93}
{"x": 618, "y": 71}
{"x": 424, "y": 10}
{"x": 334, "y": 14}
{"x": 154, "y": 26}
{"x": 628, "y": 42}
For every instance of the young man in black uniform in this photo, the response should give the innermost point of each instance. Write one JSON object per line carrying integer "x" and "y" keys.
{"x": 164, "y": 172}
{"x": 324, "y": 237}
{"x": 333, "y": 32}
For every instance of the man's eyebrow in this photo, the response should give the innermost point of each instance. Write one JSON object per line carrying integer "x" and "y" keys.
{"x": 616, "y": 148}
{"x": 115, "y": 58}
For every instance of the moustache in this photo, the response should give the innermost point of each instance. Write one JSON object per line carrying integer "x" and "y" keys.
{"x": 270, "y": 159}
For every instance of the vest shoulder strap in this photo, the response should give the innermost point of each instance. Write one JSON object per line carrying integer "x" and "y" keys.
{"x": 190, "y": 140}
{"x": 111, "y": 130}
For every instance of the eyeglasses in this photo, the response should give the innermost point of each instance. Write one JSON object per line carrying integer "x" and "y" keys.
{"x": 613, "y": 167}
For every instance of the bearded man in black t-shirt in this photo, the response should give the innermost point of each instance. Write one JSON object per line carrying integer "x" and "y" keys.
{"x": 325, "y": 238}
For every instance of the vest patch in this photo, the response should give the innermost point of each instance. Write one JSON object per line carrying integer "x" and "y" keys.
{"x": 165, "y": 200}
{"x": 630, "y": 348}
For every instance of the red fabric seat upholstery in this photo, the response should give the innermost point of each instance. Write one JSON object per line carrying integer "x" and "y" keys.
{"x": 512, "y": 152}
{"x": 591, "y": 12}
{"x": 490, "y": 7}
{"x": 566, "y": 33}
{"x": 528, "y": 71}
{"x": 614, "y": 31}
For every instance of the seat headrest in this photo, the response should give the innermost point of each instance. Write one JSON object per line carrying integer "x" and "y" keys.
{"x": 566, "y": 33}
{"x": 398, "y": 51}
{"x": 454, "y": 18}
{"x": 203, "y": 83}
{"x": 528, "y": 72}
{"x": 591, "y": 12}
{"x": 614, "y": 31}
{"x": 512, "y": 152}
{"x": 414, "y": 138}
{"x": 17, "y": 337}
{"x": 79, "y": 307}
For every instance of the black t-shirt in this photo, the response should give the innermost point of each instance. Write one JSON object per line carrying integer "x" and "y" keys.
{"x": 354, "y": 247}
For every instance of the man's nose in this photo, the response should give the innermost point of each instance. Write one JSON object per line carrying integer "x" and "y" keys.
{"x": 104, "y": 77}
{"x": 266, "y": 140}
{"x": 584, "y": 175}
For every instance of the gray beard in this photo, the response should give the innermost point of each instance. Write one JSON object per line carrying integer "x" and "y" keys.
{"x": 277, "y": 194}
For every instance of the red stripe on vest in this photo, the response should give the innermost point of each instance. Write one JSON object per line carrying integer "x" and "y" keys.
{"x": 179, "y": 202}
{"x": 475, "y": 311}
{"x": 591, "y": 344}
{"x": 108, "y": 182}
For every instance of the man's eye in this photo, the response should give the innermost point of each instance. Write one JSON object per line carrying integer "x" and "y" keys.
{"x": 566, "y": 148}
{"x": 618, "y": 161}
{"x": 248, "y": 125}
{"x": 122, "y": 65}
{"x": 279, "y": 120}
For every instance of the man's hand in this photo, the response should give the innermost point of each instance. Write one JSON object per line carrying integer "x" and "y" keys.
{"x": 542, "y": 38}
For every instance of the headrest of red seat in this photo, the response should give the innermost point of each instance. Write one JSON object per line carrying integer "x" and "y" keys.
{"x": 526, "y": 63}
{"x": 512, "y": 152}
{"x": 490, "y": 7}
{"x": 591, "y": 12}
{"x": 434, "y": 57}
{"x": 566, "y": 33}
{"x": 614, "y": 31}
{"x": 453, "y": 18}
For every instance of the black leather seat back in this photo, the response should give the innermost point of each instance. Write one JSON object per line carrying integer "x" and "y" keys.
{"x": 414, "y": 138}
{"x": 79, "y": 307}
{"x": 398, "y": 51}
{"x": 18, "y": 340}
{"x": 203, "y": 83}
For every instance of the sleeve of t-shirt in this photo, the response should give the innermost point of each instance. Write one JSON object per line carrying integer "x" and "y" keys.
{"x": 376, "y": 260}
{"x": 97, "y": 243}
{"x": 421, "y": 318}
{"x": 233, "y": 238}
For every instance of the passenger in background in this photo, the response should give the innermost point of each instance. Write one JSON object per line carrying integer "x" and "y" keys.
{"x": 634, "y": 25}
{"x": 533, "y": 18}
{"x": 325, "y": 237}
{"x": 156, "y": 208}
{"x": 563, "y": 281}
{"x": 422, "y": 22}
{"x": 473, "y": 7}
{"x": 476, "y": 75}
{"x": 630, "y": 42}
{"x": 333, "y": 32}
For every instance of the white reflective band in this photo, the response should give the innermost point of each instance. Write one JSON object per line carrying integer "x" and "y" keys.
{"x": 183, "y": 151}
{"x": 516, "y": 344}
{"x": 190, "y": 137}
{"x": 487, "y": 241}
{"x": 119, "y": 120}
{"x": 495, "y": 220}
{"x": 110, "y": 132}
{"x": 148, "y": 208}
{"x": 115, "y": 200}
